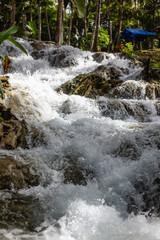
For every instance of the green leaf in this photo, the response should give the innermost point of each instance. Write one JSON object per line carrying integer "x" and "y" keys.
{"x": 4, "y": 35}
{"x": 79, "y": 4}
{"x": 1, "y": 119}
{"x": 1, "y": 90}
{"x": 17, "y": 44}
{"x": 2, "y": 57}
{"x": 33, "y": 27}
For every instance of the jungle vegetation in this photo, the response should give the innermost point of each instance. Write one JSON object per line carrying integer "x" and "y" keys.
{"x": 87, "y": 24}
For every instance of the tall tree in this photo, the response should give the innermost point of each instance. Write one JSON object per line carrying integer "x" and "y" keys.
{"x": 59, "y": 28}
{"x": 94, "y": 43}
{"x": 13, "y": 13}
{"x": 39, "y": 21}
{"x": 121, "y": 9}
{"x": 79, "y": 5}
{"x": 49, "y": 34}
{"x": 31, "y": 16}
{"x": 70, "y": 25}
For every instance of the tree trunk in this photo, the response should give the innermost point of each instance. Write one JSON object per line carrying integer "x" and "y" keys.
{"x": 31, "y": 18}
{"x": 39, "y": 22}
{"x": 109, "y": 25}
{"x": 120, "y": 22}
{"x": 13, "y": 13}
{"x": 23, "y": 18}
{"x": 59, "y": 28}
{"x": 86, "y": 19}
{"x": 153, "y": 22}
{"x": 96, "y": 28}
{"x": 49, "y": 34}
{"x": 70, "y": 27}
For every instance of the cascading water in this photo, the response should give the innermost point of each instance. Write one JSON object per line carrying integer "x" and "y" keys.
{"x": 98, "y": 160}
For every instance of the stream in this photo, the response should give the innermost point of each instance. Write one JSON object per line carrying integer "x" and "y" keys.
{"x": 99, "y": 164}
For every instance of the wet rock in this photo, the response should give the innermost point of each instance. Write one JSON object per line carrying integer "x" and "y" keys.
{"x": 150, "y": 61}
{"x": 37, "y": 54}
{"x": 13, "y": 131}
{"x": 12, "y": 51}
{"x": 14, "y": 174}
{"x": 20, "y": 211}
{"x": 148, "y": 192}
{"x": 157, "y": 90}
{"x": 66, "y": 108}
{"x": 150, "y": 91}
{"x": 6, "y": 85}
{"x": 57, "y": 57}
{"x": 94, "y": 84}
{"x": 121, "y": 109}
{"x": 153, "y": 91}
{"x": 100, "y": 56}
{"x": 76, "y": 173}
{"x": 128, "y": 90}
{"x": 136, "y": 90}
{"x": 157, "y": 106}
{"x": 60, "y": 57}
{"x": 37, "y": 45}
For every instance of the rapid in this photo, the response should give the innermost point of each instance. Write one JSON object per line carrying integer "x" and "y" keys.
{"x": 111, "y": 155}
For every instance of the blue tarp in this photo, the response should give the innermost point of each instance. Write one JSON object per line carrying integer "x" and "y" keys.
{"x": 139, "y": 34}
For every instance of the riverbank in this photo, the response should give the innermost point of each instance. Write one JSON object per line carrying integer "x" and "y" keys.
{"x": 150, "y": 60}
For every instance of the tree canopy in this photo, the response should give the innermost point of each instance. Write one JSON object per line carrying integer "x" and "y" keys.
{"x": 79, "y": 22}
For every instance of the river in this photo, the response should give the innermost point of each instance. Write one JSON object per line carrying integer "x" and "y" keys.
{"x": 111, "y": 156}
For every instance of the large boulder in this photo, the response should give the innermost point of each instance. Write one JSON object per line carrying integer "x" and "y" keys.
{"x": 20, "y": 211}
{"x": 136, "y": 90}
{"x": 96, "y": 83}
{"x": 59, "y": 56}
{"x": 5, "y": 85}
{"x": 12, "y": 131}
{"x": 14, "y": 174}
{"x": 122, "y": 109}
{"x": 150, "y": 60}
{"x": 100, "y": 56}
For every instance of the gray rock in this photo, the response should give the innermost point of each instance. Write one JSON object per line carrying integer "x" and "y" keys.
{"x": 100, "y": 56}
{"x": 14, "y": 174}
{"x": 13, "y": 131}
{"x": 94, "y": 84}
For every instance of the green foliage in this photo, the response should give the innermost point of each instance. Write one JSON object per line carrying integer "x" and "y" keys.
{"x": 33, "y": 27}
{"x": 1, "y": 119}
{"x": 86, "y": 41}
{"x": 103, "y": 38}
{"x": 1, "y": 90}
{"x": 6, "y": 35}
{"x": 128, "y": 49}
{"x": 135, "y": 14}
{"x": 79, "y": 4}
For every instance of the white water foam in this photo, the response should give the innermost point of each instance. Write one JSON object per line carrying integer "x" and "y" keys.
{"x": 73, "y": 133}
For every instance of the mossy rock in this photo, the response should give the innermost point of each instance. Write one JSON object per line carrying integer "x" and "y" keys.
{"x": 150, "y": 60}
{"x": 12, "y": 131}
{"x": 96, "y": 83}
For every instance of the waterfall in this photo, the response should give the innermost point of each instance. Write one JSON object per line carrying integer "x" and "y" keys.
{"x": 98, "y": 160}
